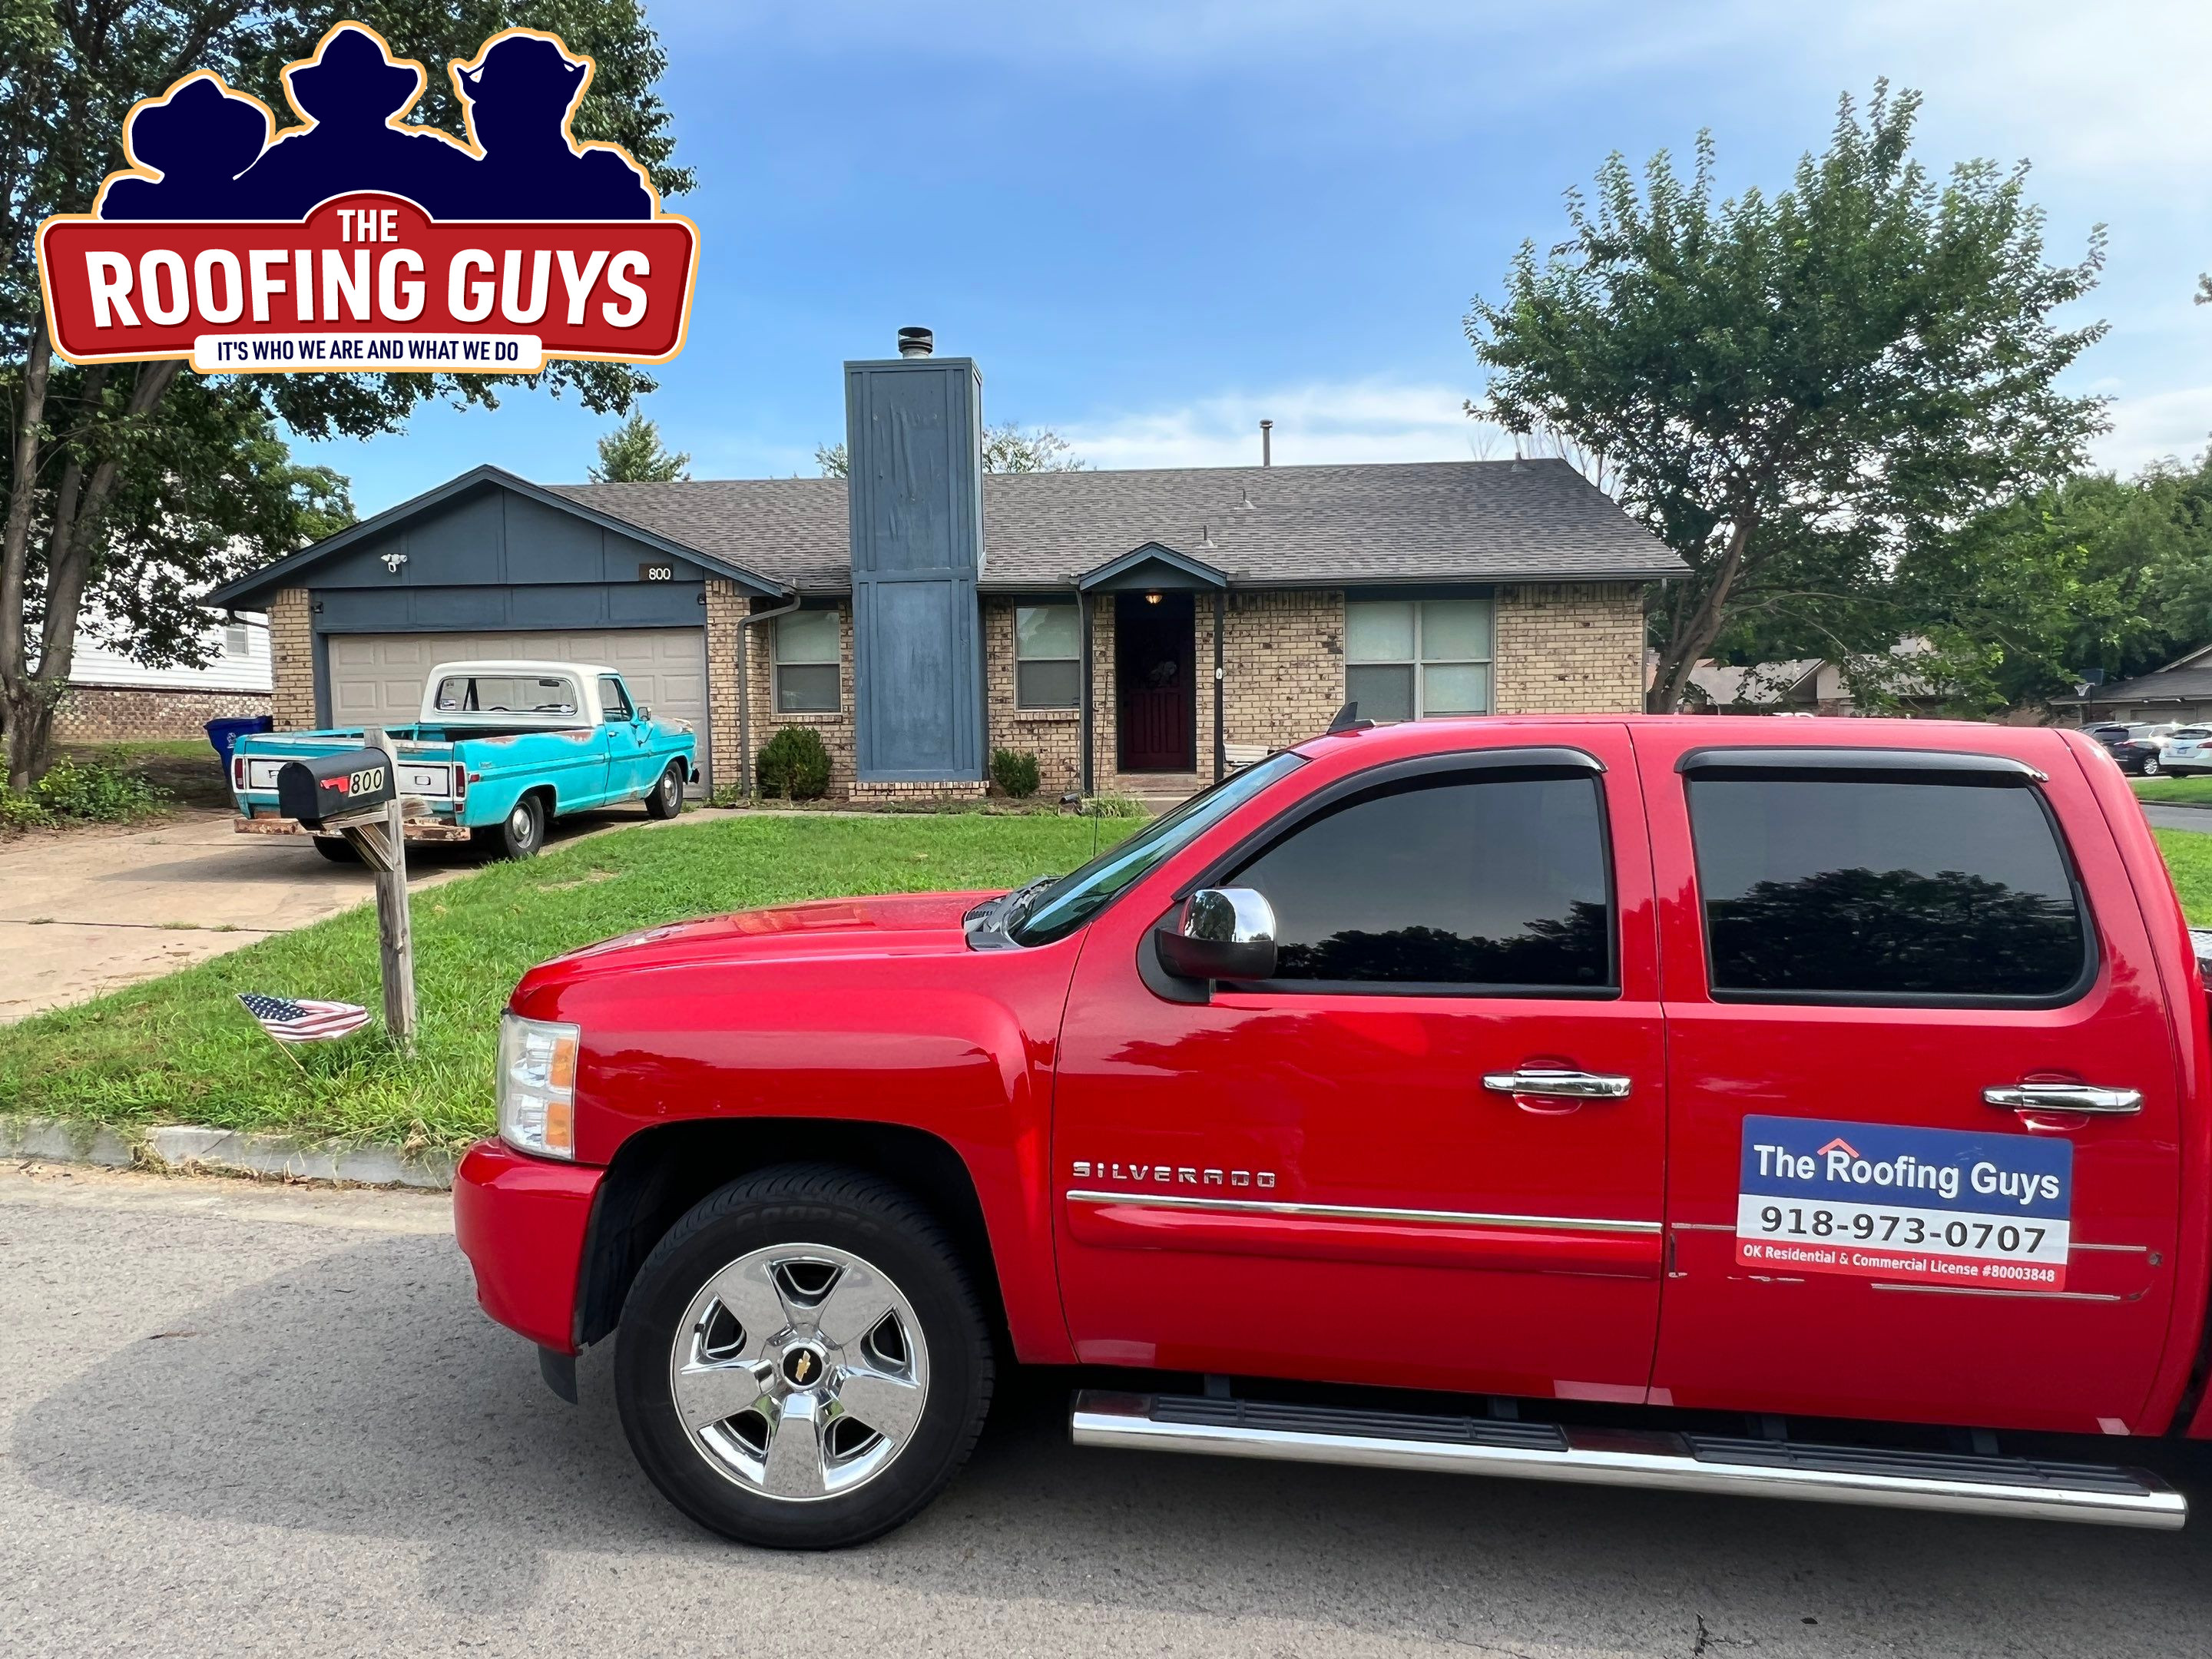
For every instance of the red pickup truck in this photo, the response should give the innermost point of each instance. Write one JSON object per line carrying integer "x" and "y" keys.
{"x": 1794, "y": 1109}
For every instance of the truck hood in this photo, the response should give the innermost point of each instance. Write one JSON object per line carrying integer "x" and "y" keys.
{"x": 894, "y": 924}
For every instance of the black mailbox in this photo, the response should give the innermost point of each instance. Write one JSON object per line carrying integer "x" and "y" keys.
{"x": 332, "y": 786}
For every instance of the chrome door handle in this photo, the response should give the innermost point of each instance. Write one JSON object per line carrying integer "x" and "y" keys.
{"x": 2065, "y": 1098}
{"x": 1556, "y": 1085}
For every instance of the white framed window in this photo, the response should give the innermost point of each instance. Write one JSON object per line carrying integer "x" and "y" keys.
{"x": 1048, "y": 656}
{"x": 236, "y": 643}
{"x": 807, "y": 649}
{"x": 1407, "y": 660}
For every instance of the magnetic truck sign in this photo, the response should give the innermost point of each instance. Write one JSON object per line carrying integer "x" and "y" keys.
{"x": 1916, "y": 1205}
{"x": 350, "y": 241}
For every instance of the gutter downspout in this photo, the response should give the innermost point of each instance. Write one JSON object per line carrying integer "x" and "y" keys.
{"x": 1082, "y": 606}
{"x": 745, "y": 690}
{"x": 1221, "y": 688}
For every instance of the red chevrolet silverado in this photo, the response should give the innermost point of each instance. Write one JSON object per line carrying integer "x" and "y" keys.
{"x": 1803, "y": 1110}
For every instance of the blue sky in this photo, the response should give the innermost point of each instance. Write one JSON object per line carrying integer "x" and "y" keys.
{"x": 1153, "y": 224}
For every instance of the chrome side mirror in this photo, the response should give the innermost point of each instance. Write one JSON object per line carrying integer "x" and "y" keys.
{"x": 1224, "y": 932}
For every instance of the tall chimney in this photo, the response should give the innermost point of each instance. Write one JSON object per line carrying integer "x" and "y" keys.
{"x": 914, "y": 446}
{"x": 1267, "y": 443}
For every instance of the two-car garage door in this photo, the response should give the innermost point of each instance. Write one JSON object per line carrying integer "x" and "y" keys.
{"x": 376, "y": 680}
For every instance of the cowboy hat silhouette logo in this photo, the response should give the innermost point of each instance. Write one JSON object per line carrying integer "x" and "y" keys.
{"x": 201, "y": 151}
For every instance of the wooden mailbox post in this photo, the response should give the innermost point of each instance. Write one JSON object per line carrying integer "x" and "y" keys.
{"x": 357, "y": 796}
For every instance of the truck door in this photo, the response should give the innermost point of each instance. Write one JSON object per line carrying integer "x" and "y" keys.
{"x": 630, "y": 770}
{"x": 1428, "y": 1153}
{"x": 1923, "y": 1159}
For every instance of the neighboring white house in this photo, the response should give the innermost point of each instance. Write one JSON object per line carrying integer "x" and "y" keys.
{"x": 112, "y": 698}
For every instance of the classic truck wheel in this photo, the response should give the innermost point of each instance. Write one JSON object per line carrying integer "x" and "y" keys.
{"x": 666, "y": 799}
{"x": 519, "y": 835}
{"x": 802, "y": 1362}
{"x": 337, "y": 848}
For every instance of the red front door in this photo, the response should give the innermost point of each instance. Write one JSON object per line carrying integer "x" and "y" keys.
{"x": 1856, "y": 951}
{"x": 1355, "y": 1171}
{"x": 1154, "y": 659}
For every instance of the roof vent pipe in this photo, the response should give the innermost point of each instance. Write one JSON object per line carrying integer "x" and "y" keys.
{"x": 1267, "y": 443}
{"x": 916, "y": 343}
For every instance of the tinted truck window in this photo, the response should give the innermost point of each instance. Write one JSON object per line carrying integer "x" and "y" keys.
{"x": 1857, "y": 887}
{"x": 1498, "y": 884}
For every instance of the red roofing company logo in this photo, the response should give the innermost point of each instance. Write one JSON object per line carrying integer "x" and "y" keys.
{"x": 1839, "y": 1145}
{"x": 349, "y": 241}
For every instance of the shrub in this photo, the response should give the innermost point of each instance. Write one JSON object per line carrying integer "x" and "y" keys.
{"x": 98, "y": 790}
{"x": 1115, "y": 807}
{"x": 794, "y": 764}
{"x": 22, "y": 811}
{"x": 1014, "y": 771}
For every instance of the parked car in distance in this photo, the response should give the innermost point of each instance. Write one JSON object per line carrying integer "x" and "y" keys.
{"x": 1692, "y": 1102}
{"x": 2188, "y": 750}
{"x": 501, "y": 750}
{"x": 2140, "y": 757}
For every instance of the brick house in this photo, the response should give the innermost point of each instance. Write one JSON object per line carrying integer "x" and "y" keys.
{"x": 1138, "y": 631}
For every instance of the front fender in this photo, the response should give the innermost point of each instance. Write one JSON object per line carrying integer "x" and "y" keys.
{"x": 960, "y": 1049}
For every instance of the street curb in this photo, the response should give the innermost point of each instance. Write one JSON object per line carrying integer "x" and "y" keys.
{"x": 191, "y": 1146}
{"x": 2179, "y": 806}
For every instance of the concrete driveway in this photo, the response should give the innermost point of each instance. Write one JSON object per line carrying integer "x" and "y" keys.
{"x": 89, "y": 910}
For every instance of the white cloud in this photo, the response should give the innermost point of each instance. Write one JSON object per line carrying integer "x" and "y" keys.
{"x": 2156, "y": 426}
{"x": 1318, "y": 422}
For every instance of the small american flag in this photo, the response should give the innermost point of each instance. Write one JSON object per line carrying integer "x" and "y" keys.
{"x": 288, "y": 1021}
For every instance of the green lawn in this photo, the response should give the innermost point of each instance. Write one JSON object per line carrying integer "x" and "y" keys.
{"x": 2188, "y": 855}
{"x": 2195, "y": 791}
{"x": 181, "y": 1050}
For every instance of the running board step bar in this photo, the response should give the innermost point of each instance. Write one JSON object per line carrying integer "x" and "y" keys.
{"x": 2024, "y": 1486}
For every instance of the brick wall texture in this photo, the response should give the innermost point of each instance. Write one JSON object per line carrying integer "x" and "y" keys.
{"x": 1570, "y": 648}
{"x": 118, "y": 713}
{"x": 292, "y": 660}
{"x": 835, "y": 730}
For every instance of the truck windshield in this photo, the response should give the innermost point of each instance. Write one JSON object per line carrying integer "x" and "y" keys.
{"x": 1064, "y": 906}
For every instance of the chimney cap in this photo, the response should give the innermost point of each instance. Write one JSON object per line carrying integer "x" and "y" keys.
{"x": 916, "y": 343}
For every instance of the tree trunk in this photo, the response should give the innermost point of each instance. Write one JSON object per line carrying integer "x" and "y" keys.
{"x": 15, "y": 540}
{"x": 80, "y": 503}
{"x": 1692, "y": 636}
{"x": 30, "y": 716}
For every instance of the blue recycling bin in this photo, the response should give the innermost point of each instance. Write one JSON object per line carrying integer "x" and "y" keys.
{"x": 225, "y": 733}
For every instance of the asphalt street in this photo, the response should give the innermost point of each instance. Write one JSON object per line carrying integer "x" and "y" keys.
{"x": 240, "y": 1419}
{"x": 2198, "y": 818}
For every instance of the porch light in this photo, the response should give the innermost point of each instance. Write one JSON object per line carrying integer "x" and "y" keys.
{"x": 1151, "y": 599}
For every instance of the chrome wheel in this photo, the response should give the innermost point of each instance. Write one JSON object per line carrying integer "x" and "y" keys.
{"x": 799, "y": 1372}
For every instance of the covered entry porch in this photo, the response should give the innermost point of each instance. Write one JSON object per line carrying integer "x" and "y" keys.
{"x": 1152, "y": 623}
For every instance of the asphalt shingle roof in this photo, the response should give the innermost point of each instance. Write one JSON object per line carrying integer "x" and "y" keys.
{"x": 1282, "y": 526}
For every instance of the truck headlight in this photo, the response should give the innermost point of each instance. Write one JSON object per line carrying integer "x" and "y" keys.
{"x": 537, "y": 1086}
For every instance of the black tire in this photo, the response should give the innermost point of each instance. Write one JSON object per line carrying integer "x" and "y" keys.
{"x": 337, "y": 848}
{"x": 884, "y": 1229}
{"x": 666, "y": 799}
{"x": 519, "y": 835}
{"x": 2150, "y": 767}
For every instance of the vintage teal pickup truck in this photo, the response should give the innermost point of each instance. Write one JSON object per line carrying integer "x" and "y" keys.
{"x": 502, "y": 749}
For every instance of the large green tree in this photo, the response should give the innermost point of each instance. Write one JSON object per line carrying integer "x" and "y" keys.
{"x": 131, "y": 487}
{"x": 2094, "y": 576}
{"x": 633, "y": 453}
{"x": 1796, "y": 390}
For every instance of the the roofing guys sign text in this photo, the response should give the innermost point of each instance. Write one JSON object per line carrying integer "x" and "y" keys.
{"x": 355, "y": 242}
